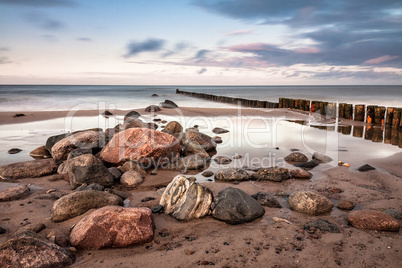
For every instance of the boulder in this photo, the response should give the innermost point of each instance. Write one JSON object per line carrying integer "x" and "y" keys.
{"x": 322, "y": 158}
{"x": 40, "y": 153}
{"x": 113, "y": 226}
{"x": 309, "y": 203}
{"x": 217, "y": 139}
{"x": 222, "y": 160}
{"x": 78, "y": 152}
{"x": 132, "y": 165}
{"x": 89, "y": 138}
{"x": 307, "y": 165}
{"x": 322, "y": 225}
{"x": 31, "y": 250}
{"x": 169, "y": 104}
{"x": 300, "y": 174}
{"x": 219, "y": 130}
{"x": 131, "y": 115}
{"x": 202, "y": 139}
{"x": 193, "y": 147}
{"x": 28, "y": 169}
{"x": 116, "y": 173}
{"x": 193, "y": 162}
{"x": 373, "y": 220}
{"x": 234, "y": 206}
{"x": 345, "y": 205}
{"x": 52, "y": 140}
{"x": 266, "y": 200}
{"x": 106, "y": 114}
{"x": 271, "y": 174}
{"x": 146, "y": 146}
{"x": 77, "y": 203}
{"x": 92, "y": 186}
{"x": 82, "y": 160}
{"x": 232, "y": 174}
{"x": 14, "y": 193}
{"x": 207, "y": 173}
{"x": 131, "y": 179}
{"x": 130, "y": 123}
{"x": 154, "y": 95}
{"x": 174, "y": 127}
{"x": 96, "y": 173}
{"x": 184, "y": 199}
{"x": 365, "y": 167}
{"x": 296, "y": 157}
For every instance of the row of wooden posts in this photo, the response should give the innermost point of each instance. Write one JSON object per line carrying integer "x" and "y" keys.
{"x": 390, "y": 116}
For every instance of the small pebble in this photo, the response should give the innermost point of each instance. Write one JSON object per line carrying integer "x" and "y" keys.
{"x": 73, "y": 249}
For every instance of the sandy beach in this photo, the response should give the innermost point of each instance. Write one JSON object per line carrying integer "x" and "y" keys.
{"x": 277, "y": 239}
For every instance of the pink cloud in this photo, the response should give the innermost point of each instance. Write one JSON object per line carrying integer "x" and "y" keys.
{"x": 307, "y": 50}
{"x": 381, "y": 59}
{"x": 239, "y": 32}
{"x": 253, "y": 47}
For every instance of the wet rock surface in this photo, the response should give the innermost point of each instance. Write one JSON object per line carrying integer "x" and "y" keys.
{"x": 14, "y": 193}
{"x": 322, "y": 158}
{"x": 266, "y": 200}
{"x": 322, "y": 225}
{"x": 296, "y": 157}
{"x": 271, "y": 174}
{"x": 373, "y": 220}
{"x": 29, "y": 169}
{"x": 309, "y": 203}
{"x": 300, "y": 174}
{"x": 232, "y": 174}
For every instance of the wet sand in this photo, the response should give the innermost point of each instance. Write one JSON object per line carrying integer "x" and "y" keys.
{"x": 261, "y": 243}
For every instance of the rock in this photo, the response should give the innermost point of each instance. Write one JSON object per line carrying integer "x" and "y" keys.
{"x": 96, "y": 173}
{"x": 153, "y": 108}
{"x": 192, "y": 129}
{"x": 394, "y": 213}
{"x": 2, "y": 230}
{"x": 365, "y": 167}
{"x": 202, "y": 139}
{"x": 219, "y": 130}
{"x": 116, "y": 173}
{"x": 152, "y": 126}
{"x": 122, "y": 194}
{"x": 131, "y": 179}
{"x": 148, "y": 198}
{"x": 207, "y": 173}
{"x": 321, "y": 157}
{"x": 54, "y": 139}
{"x": 309, "y": 203}
{"x": 19, "y": 115}
{"x": 322, "y": 225}
{"x": 89, "y": 139}
{"x": 92, "y": 186}
{"x": 31, "y": 250}
{"x": 222, "y": 160}
{"x": 237, "y": 156}
{"x": 296, "y": 157}
{"x": 373, "y": 220}
{"x": 33, "y": 227}
{"x": 307, "y": 165}
{"x": 234, "y": 206}
{"x": 40, "y": 153}
{"x": 217, "y": 139}
{"x": 266, "y": 200}
{"x": 169, "y": 104}
{"x": 154, "y": 95}
{"x": 271, "y": 174}
{"x": 106, "y": 114}
{"x": 14, "y": 151}
{"x": 157, "y": 209}
{"x": 82, "y": 160}
{"x": 78, "y": 152}
{"x": 14, "y": 193}
{"x": 130, "y": 123}
{"x": 174, "y": 127}
{"x": 132, "y": 165}
{"x": 193, "y": 147}
{"x": 300, "y": 174}
{"x": 131, "y": 115}
{"x": 147, "y": 146}
{"x": 193, "y": 162}
{"x": 28, "y": 169}
{"x": 77, "y": 203}
{"x": 184, "y": 199}
{"x": 232, "y": 174}
{"x": 113, "y": 226}
{"x": 346, "y": 205}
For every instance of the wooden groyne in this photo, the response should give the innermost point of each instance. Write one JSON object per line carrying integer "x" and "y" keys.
{"x": 373, "y": 114}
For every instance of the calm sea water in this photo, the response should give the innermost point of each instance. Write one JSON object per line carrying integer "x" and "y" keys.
{"x": 61, "y": 97}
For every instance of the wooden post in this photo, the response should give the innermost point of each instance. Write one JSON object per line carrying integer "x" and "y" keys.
{"x": 349, "y": 111}
{"x": 394, "y": 136}
{"x": 358, "y": 131}
{"x": 396, "y": 120}
{"x": 370, "y": 114}
{"x": 323, "y": 108}
{"x": 331, "y": 110}
{"x": 341, "y": 109}
{"x": 292, "y": 104}
{"x": 390, "y": 116}
{"x": 280, "y": 102}
{"x": 379, "y": 115}
{"x": 307, "y": 106}
{"x": 313, "y": 106}
{"x": 359, "y": 112}
{"x": 387, "y": 135}
{"x": 368, "y": 134}
{"x": 377, "y": 134}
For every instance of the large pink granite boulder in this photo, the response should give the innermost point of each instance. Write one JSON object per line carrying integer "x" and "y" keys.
{"x": 114, "y": 226}
{"x": 373, "y": 220}
{"x": 144, "y": 145}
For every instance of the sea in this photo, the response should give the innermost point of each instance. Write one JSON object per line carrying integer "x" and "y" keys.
{"x": 21, "y": 98}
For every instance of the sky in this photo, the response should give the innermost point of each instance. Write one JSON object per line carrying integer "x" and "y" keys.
{"x": 201, "y": 42}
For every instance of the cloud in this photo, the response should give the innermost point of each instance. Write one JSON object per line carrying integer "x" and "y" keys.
{"x": 4, "y": 49}
{"x": 179, "y": 47}
{"x": 203, "y": 70}
{"x": 239, "y": 32}
{"x": 4, "y": 60}
{"x": 84, "y": 39}
{"x": 201, "y": 55}
{"x": 149, "y": 45}
{"x": 381, "y": 59}
{"x": 44, "y": 22}
{"x": 39, "y": 3}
